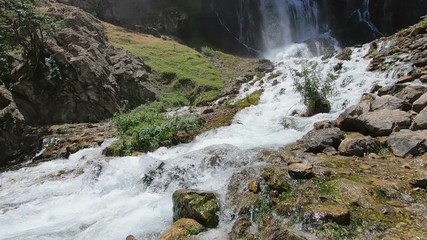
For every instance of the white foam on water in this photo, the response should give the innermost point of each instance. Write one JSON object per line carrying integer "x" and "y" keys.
{"x": 89, "y": 196}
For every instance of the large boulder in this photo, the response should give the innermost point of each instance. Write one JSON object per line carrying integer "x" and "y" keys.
{"x": 378, "y": 123}
{"x": 408, "y": 142}
{"x": 391, "y": 103}
{"x": 420, "y": 103}
{"x": 316, "y": 141}
{"x": 200, "y": 206}
{"x": 411, "y": 93}
{"x": 359, "y": 146}
{"x": 82, "y": 78}
{"x": 420, "y": 121}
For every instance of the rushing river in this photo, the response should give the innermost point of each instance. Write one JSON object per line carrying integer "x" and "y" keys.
{"x": 89, "y": 196}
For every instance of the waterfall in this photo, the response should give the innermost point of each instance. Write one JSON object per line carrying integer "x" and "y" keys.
{"x": 288, "y": 21}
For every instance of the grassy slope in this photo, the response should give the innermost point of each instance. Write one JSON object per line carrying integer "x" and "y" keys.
{"x": 167, "y": 56}
{"x": 189, "y": 77}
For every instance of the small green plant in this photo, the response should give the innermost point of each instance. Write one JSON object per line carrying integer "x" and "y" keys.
{"x": 314, "y": 89}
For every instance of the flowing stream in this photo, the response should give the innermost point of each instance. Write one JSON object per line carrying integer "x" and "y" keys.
{"x": 89, "y": 196}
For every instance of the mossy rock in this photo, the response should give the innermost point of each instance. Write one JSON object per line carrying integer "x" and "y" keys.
{"x": 182, "y": 230}
{"x": 200, "y": 206}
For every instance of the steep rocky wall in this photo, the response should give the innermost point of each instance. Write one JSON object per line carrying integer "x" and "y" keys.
{"x": 81, "y": 78}
{"x": 237, "y": 25}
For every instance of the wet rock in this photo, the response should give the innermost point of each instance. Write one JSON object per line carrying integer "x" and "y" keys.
{"x": 406, "y": 79}
{"x": 358, "y": 146}
{"x": 408, "y": 142}
{"x": 131, "y": 237}
{"x": 420, "y": 181}
{"x": 320, "y": 106}
{"x": 182, "y": 230}
{"x": 265, "y": 65}
{"x": 300, "y": 170}
{"x": 276, "y": 180}
{"x": 390, "y": 89}
{"x": 345, "y": 54}
{"x": 328, "y": 213}
{"x": 324, "y": 124}
{"x": 316, "y": 141}
{"x": 253, "y": 186}
{"x": 241, "y": 228}
{"x": 281, "y": 233}
{"x": 378, "y": 123}
{"x": 200, "y": 206}
{"x": 420, "y": 103}
{"x": 410, "y": 93}
{"x": 391, "y": 103}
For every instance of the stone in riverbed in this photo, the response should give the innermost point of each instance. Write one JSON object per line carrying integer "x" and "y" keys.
{"x": 316, "y": 141}
{"x": 200, "y": 206}
{"x": 301, "y": 171}
{"x": 328, "y": 213}
{"x": 253, "y": 186}
{"x": 378, "y": 123}
{"x": 359, "y": 146}
{"x": 408, "y": 142}
{"x": 182, "y": 230}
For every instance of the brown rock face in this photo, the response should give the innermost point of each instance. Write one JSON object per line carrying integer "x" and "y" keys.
{"x": 90, "y": 81}
{"x": 16, "y": 138}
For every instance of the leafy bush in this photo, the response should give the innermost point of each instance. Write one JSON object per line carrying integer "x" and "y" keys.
{"x": 147, "y": 128}
{"x": 313, "y": 89}
{"x": 22, "y": 27}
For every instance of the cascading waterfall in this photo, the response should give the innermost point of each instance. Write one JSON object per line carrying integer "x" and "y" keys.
{"x": 288, "y": 21}
{"x": 89, "y": 196}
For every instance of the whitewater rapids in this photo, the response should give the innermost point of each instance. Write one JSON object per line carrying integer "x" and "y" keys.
{"x": 89, "y": 196}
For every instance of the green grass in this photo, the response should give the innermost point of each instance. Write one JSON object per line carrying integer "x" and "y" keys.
{"x": 167, "y": 56}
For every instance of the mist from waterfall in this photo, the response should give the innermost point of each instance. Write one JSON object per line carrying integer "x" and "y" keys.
{"x": 288, "y": 21}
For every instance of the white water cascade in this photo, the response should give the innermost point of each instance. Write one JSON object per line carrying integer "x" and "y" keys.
{"x": 288, "y": 21}
{"x": 89, "y": 196}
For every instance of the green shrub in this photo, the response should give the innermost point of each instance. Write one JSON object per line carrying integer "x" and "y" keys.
{"x": 147, "y": 128}
{"x": 313, "y": 89}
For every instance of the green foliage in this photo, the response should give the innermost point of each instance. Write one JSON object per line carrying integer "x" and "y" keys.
{"x": 312, "y": 87}
{"x": 147, "y": 128}
{"x": 424, "y": 20}
{"x": 22, "y": 27}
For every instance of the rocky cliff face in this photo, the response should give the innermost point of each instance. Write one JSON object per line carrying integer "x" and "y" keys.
{"x": 82, "y": 79}
{"x": 237, "y": 25}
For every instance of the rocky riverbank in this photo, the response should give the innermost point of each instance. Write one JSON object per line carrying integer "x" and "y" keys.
{"x": 362, "y": 176}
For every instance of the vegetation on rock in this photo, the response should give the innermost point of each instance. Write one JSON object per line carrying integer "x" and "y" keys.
{"x": 23, "y": 28}
{"x": 148, "y": 127}
{"x": 313, "y": 89}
